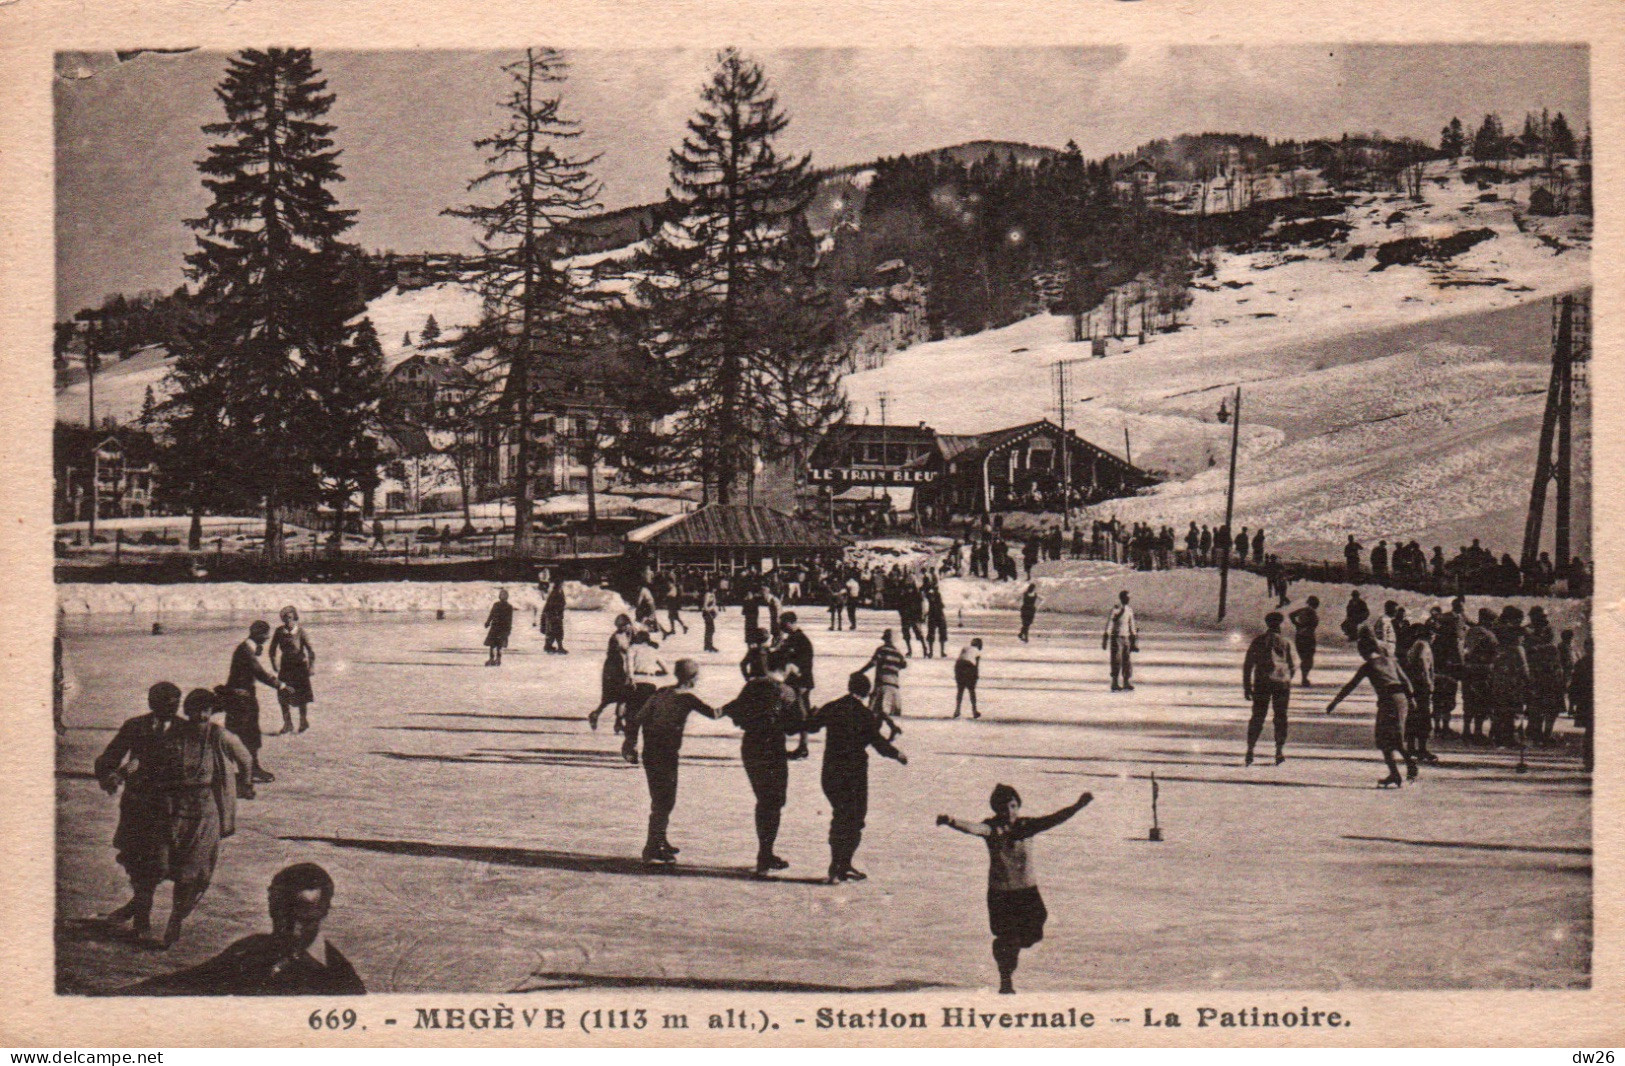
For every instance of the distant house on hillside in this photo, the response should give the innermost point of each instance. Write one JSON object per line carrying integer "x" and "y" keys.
{"x": 1140, "y": 176}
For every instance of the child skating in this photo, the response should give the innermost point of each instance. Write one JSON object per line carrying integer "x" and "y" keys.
{"x": 1015, "y": 910}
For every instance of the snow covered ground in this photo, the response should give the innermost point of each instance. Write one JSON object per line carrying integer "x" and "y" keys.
{"x": 484, "y": 840}
{"x": 1402, "y": 402}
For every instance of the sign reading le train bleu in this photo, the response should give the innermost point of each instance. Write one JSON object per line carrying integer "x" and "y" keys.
{"x": 872, "y": 476}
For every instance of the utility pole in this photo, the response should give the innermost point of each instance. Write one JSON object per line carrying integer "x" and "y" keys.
{"x": 1066, "y": 448}
{"x": 1229, "y": 507}
{"x": 95, "y": 452}
{"x": 1063, "y": 382}
{"x": 1570, "y": 345}
{"x": 1128, "y": 449}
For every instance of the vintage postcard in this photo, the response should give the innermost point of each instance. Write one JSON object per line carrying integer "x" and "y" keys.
{"x": 778, "y": 525}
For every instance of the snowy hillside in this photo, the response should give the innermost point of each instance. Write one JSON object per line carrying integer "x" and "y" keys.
{"x": 1404, "y": 401}
{"x": 121, "y": 387}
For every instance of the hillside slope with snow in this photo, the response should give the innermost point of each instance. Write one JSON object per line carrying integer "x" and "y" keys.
{"x": 1400, "y": 402}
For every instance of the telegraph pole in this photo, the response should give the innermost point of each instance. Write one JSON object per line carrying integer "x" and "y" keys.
{"x": 95, "y": 452}
{"x": 1066, "y": 447}
{"x": 1229, "y": 507}
{"x": 1063, "y": 382}
{"x": 1570, "y": 345}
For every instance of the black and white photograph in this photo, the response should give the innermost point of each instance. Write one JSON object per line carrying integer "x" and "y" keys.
{"x": 564, "y": 522}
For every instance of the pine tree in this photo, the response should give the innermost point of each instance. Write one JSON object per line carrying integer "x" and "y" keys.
{"x": 1561, "y": 138}
{"x": 732, "y": 314}
{"x": 149, "y": 406}
{"x": 534, "y": 308}
{"x": 1489, "y": 143}
{"x": 1453, "y": 140}
{"x": 271, "y": 373}
{"x": 406, "y": 339}
{"x": 430, "y": 332}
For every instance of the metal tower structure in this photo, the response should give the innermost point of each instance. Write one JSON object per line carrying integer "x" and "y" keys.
{"x": 1571, "y": 352}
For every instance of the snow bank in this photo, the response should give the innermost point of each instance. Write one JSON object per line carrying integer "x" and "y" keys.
{"x": 382, "y": 596}
{"x": 1191, "y": 597}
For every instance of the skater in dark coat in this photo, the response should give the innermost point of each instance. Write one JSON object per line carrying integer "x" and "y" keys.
{"x": 851, "y": 729}
{"x": 766, "y": 711}
{"x": 1355, "y": 614}
{"x": 967, "y": 671}
{"x": 1015, "y": 910}
{"x": 134, "y": 760}
{"x": 553, "y": 620}
{"x": 1305, "y": 621}
{"x": 659, "y": 720}
{"x": 1029, "y": 611}
{"x": 796, "y": 649}
{"x": 615, "y": 677}
{"x": 243, "y": 705}
{"x": 498, "y": 628}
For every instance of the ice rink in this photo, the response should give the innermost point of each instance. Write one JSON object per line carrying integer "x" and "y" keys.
{"x": 484, "y": 839}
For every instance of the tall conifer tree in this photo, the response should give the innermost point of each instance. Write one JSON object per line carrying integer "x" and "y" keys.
{"x": 731, "y": 310}
{"x": 275, "y": 381}
{"x": 538, "y": 313}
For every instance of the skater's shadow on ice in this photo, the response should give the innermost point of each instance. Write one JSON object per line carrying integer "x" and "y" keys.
{"x": 503, "y": 717}
{"x": 1248, "y": 782}
{"x": 607, "y": 760}
{"x": 94, "y": 931}
{"x": 1538, "y": 849}
{"x": 549, "y": 982}
{"x": 398, "y": 662}
{"x": 539, "y": 858}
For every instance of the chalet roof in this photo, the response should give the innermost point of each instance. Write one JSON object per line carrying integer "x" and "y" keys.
{"x": 988, "y": 443}
{"x": 718, "y": 526}
{"x": 952, "y": 445}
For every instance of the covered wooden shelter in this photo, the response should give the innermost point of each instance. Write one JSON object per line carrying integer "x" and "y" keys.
{"x": 729, "y": 538}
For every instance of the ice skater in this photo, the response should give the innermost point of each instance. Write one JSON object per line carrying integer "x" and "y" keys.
{"x": 177, "y": 805}
{"x": 1393, "y": 706}
{"x": 659, "y": 720}
{"x": 796, "y": 649}
{"x": 888, "y": 665}
{"x": 1419, "y": 670}
{"x": 646, "y": 670}
{"x": 1029, "y": 611}
{"x": 553, "y": 620}
{"x": 498, "y": 628}
{"x": 674, "y": 606}
{"x": 766, "y": 712}
{"x": 294, "y": 660}
{"x": 243, "y": 705}
{"x": 1305, "y": 621}
{"x": 1122, "y": 639}
{"x": 708, "y": 614}
{"x": 851, "y": 730}
{"x": 1015, "y": 909}
{"x": 967, "y": 669}
{"x": 1266, "y": 680}
{"x": 936, "y": 620}
{"x": 614, "y": 678}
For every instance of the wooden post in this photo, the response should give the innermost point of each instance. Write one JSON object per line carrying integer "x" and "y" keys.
{"x": 1229, "y": 508}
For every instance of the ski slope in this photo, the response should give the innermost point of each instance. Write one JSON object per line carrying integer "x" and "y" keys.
{"x": 1402, "y": 402}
